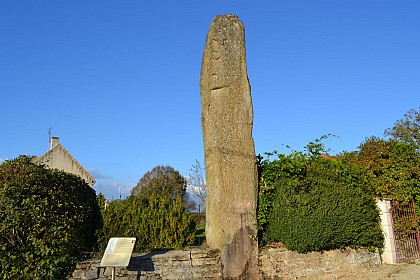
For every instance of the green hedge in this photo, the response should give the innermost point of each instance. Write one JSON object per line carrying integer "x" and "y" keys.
{"x": 47, "y": 219}
{"x": 310, "y": 203}
{"x": 155, "y": 221}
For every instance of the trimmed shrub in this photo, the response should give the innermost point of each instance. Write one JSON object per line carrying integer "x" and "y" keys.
{"x": 315, "y": 204}
{"x": 47, "y": 219}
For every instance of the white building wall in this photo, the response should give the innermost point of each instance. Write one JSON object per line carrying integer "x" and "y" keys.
{"x": 60, "y": 159}
{"x": 389, "y": 254}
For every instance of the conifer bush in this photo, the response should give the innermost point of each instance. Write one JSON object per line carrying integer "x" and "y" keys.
{"x": 155, "y": 221}
{"x": 155, "y": 213}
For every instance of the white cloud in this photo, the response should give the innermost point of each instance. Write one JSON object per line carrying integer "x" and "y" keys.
{"x": 111, "y": 188}
{"x": 97, "y": 174}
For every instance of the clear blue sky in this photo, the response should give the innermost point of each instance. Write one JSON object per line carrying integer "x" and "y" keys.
{"x": 118, "y": 81}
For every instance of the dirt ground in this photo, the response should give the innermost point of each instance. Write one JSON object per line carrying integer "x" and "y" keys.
{"x": 401, "y": 271}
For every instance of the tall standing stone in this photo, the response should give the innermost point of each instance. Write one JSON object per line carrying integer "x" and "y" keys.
{"x": 231, "y": 172}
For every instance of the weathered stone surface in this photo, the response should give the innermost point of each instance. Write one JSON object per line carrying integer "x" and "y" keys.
{"x": 231, "y": 174}
{"x": 279, "y": 263}
{"x": 275, "y": 263}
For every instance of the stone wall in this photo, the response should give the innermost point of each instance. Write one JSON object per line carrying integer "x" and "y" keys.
{"x": 196, "y": 264}
{"x": 279, "y": 263}
{"x": 275, "y": 263}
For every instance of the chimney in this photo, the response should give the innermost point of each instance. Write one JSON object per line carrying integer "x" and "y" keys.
{"x": 54, "y": 142}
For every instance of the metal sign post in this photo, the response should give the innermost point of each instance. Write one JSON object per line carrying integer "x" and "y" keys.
{"x": 118, "y": 253}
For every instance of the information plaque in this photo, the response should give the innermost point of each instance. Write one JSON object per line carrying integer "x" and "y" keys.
{"x": 118, "y": 252}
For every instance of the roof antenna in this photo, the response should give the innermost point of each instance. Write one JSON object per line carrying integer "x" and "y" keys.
{"x": 49, "y": 135}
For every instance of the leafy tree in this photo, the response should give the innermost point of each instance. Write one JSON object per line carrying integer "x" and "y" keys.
{"x": 197, "y": 185}
{"x": 47, "y": 219}
{"x": 407, "y": 129}
{"x": 392, "y": 167}
{"x": 161, "y": 180}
